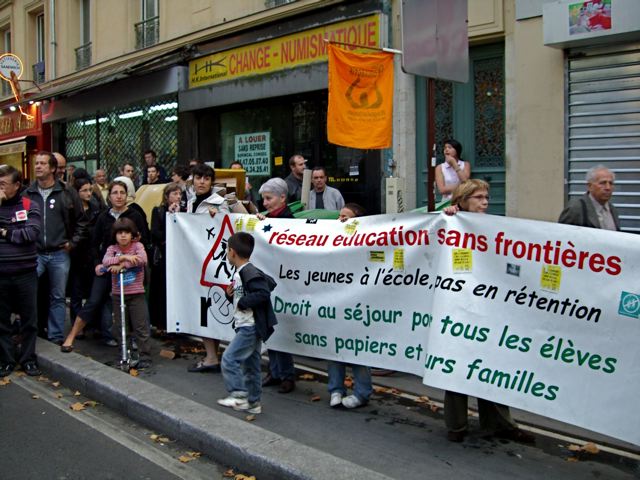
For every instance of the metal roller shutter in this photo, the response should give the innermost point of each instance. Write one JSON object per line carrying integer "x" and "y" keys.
{"x": 603, "y": 122}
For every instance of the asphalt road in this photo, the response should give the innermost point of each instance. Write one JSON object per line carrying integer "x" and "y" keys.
{"x": 43, "y": 438}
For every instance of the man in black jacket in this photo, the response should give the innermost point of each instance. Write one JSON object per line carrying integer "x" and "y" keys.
{"x": 62, "y": 230}
{"x": 20, "y": 225}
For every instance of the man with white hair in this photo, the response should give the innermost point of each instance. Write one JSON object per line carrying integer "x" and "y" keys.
{"x": 594, "y": 209}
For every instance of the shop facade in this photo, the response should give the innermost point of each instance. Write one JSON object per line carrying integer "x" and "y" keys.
{"x": 271, "y": 84}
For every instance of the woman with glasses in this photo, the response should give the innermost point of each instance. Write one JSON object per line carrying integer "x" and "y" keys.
{"x": 473, "y": 196}
{"x": 453, "y": 171}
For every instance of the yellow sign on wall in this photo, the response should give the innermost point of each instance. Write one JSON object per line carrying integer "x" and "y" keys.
{"x": 290, "y": 51}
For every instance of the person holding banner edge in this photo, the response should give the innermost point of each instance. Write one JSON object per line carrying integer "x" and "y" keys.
{"x": 281, "y": 370}
{"x": 473, "y": 196}
{"x": 206, "y": 200}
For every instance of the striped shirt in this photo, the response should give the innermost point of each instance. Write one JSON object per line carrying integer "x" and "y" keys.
{"x": 134, "y": 275}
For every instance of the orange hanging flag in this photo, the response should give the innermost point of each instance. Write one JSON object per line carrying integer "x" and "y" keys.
{"x": 360, "y": 109}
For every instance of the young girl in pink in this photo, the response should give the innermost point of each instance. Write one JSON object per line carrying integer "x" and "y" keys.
{"x": 128, "y": 254}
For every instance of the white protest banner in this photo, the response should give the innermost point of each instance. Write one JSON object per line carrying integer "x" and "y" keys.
{"x": 539, "y": 316}
{"x": 253, "y": 150}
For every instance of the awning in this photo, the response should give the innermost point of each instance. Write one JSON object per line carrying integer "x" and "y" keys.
{"x": 79, "y": 82}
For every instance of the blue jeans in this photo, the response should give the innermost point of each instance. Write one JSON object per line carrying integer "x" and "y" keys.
{"x": 57, "y": 265}
{"x": 241, "y": 365}
{"x": 281, "y": 365}
{"x": 361, "y": 380}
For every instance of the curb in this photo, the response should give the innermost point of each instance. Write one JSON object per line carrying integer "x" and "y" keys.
{"x": 226, "y": 439}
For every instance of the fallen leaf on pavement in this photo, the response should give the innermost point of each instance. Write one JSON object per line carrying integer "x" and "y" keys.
{"x": 77, "y": 407}
{"x": 4, "y": 381}
{"x": 56, "y": 384}
{"x": 434, "y": 408}
{"x": 381, "y": 389}
{"x": 154, "y": 437}
{"x": 185, "y": 458}
{"x": 59, "y": 395}
{"x": 76, "y": 393}
{"x": 20, "y": 374}
{"x": 42, "y": 378}
{"x": 306, "y": 376}
{"x": 590, "y": 448}
{"x": 395, "y": 391}
{"x": 133, "y": 372}
{"x": 164, "y": 440}
{"x": 35, "y": 397}
{"x": 423, "y": 399}
{"x": 194, "y": 454}
{"x": 250, "y": 418}
{"x": 243, "y": 477}
{"x": 574, "y": 448}
{"x": 572, "y": 459}
{"x": 315, "y": 398}
{"x": 229, "y": 473}
{"x": 169, "y": 354}
{"x": 90, "y": 403}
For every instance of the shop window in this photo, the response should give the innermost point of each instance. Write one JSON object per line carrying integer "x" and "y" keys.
{"x": 122, "y": 135}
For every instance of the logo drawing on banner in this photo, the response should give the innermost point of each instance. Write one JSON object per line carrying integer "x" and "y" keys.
{"x": 223, "y": 270}
{"x": 629, "y": 305}
{"x": 363, "y": 99}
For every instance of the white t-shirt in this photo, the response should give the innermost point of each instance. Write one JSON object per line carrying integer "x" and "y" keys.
{"x": 241, "y": 318}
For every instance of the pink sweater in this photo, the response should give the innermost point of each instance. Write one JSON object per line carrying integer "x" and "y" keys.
{"x": 134, "y": 275}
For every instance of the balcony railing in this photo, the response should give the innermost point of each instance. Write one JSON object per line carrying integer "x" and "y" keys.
{"x": 38, "y": 72}
{"x": 83, "y": 56}
{"x": 147, "y": 32}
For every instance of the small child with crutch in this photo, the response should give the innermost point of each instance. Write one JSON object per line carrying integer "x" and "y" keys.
{"x": 126, "y": 260}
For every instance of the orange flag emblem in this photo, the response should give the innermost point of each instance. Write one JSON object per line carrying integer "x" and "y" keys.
{"x": 360, "y": 112}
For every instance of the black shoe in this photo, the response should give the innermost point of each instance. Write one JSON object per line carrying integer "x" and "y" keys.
{"x": 200, "y": 367}
{"x": 287, "y": 386}
{"x": 5, "y": 370}
{"x": 144, "y": 363}
{"x": 270, "y": 381}
{"x": 456, "y": 437}
{"x": 31, "y": 369}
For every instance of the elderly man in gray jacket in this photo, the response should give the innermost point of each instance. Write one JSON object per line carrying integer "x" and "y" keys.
{"x": 322, "y": 196}
{"x": 594, "y": 209}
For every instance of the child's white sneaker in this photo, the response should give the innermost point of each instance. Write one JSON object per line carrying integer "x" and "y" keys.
{"x": 336, "y": 399}
{"x": 237, "y": 403}
{"x": 352, "y": 402}
{"x": 249, "y": 407}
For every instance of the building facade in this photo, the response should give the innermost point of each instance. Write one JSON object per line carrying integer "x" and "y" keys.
{"x": 191, "y": 79}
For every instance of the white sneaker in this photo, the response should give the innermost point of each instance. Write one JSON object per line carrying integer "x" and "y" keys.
{"x": 352, "y": 402}
{"x": 236, "y": 403}
{"x": 336, "y": 399}
{"x": 249, "y": 407}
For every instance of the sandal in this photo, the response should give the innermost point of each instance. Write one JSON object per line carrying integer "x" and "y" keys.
{"x": 66, "y": 348}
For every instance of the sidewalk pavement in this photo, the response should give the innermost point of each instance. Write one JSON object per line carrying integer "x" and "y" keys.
{"x": 399, "y": 434}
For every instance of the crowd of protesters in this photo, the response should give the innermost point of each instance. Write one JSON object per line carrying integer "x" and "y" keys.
{"x": 72, "y": 236}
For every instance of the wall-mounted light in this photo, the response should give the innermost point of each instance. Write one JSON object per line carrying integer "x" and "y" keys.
{"x": 38, "y": 103}
{"x": 13, "y": 108}
{"x": 30, "y": 102}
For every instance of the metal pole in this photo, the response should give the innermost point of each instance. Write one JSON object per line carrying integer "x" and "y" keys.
{"x": 431, "y": 140}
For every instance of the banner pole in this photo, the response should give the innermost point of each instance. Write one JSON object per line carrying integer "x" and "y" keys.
{"x": 381, "y": 49}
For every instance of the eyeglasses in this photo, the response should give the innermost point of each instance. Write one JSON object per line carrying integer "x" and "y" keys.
{"x": 481, "y": 197}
